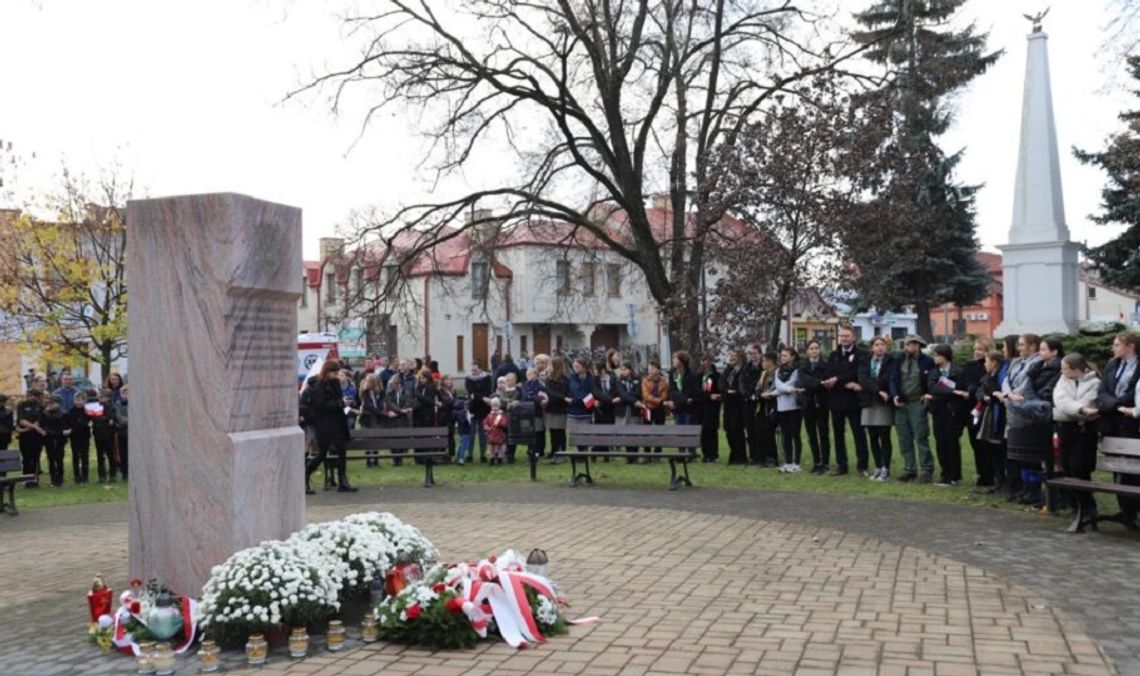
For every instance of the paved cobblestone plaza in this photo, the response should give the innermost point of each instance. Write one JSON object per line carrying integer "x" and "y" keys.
{"x": 700, "y": 582}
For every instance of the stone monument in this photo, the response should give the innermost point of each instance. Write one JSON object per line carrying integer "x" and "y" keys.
{"x": 216, "y": 453}
{"x": 1039, "y": 265}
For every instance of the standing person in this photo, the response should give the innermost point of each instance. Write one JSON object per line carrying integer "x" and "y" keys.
{"x": 351, "y": 404}
{"x": 789, "y": 413}
{"x": 510, "y": 396}
{"x": 991, "y": 426}
{"x": 684, "y": 390}
{"x": 103, "y": 431}
{"x": 479, "y": 387}
{"x": 946, "y": 397}
{"x": 1121, "y": 375}
{"x": 121, "y": 411}
{"x": 556, "y": 391}
{"x": 1118, "y": 395}
{"x": 654, "y": 394}
{"x": 397, "y": 410}
{"x": 371, "y": 398}
{"x": 446, "y": 415}
{"x": 531, "y": 393}
{"x": 878, "y": 413}
{"x": 972, "y": 374}
{"x": 749, "y": 381}
{"x": 507, "y": 366}
{"x": 606, "y": 398}
{"x": 733, "y": 404}
{"x": 1075, "y": 411}
{"x": 332, "y": 433}
{"x": 766, "y": 411}
{"x": 55, "y": 438}
{"x": 29, "y": 419}
{"x": 495, "y": 426}
{"x": 817, "y": 414}
{"x": 114, "y": 383}
{"x": 1030, "y": 407}
{"x": 424, "y": 400}
{"x": 709, "y": 413}
{"x": 628, "y": 410}
{"x": 80, "y": 425}
{"x": 463, "y": 426}
{"x": 66, "y": 392}
{"x": 843, "y": 363}
{"x": 580, "y": 408}
{"x": 7, "y": 423}
{"x": 1026, "y": 355}
{"x": 909, "y": 376}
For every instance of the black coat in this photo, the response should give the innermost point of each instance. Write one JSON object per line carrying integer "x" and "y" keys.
{"x": 816, "y": 396}
{"x": 749, "y": 380}
{"x": 1044, "y": 376}
{"x": 1107, "y": 401}
{"x": 630, "y": 393}
{"x": 846, "y": 370}
{"x": 556, "y": 392}
{"x": 477, "y": 389}
{"x": 424, "y": 406}
{"x": 944, "y": 400}
{"x": 78, "y": 422}
{"x": 972, "y": 374}
{"x": 371, "y": 408}
{"x": 326, "y": 404}
{"x": 710, "y": 408}
{"x": 687, "y": 397}
{"x": 605, "y": 393}
{"x": 873, "y": 386}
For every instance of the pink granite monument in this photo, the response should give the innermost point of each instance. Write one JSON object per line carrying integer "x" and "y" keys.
{"x": 216, "y": 453}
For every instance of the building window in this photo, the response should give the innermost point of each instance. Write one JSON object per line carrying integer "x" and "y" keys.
{"x": 330, "y": 291}
{"x": 613, "y": 280}
{"x": 589, "y": 279}
{"x": 1092, "y": 292}
{"x": 478, "y": 280}
{"x": 562, "y": 271}
{"x": 304, "y": 292}
{"x": 358, "y": 274}
{"x": 858, "y": 333}
{"x": 522, "y": 344}
{"x": 459, "y": 353}
{"x": 898, "y": 333}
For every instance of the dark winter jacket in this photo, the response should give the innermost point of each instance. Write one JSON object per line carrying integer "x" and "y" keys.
{"x": 845, "y": 369}
{"x": 477, "y": 388}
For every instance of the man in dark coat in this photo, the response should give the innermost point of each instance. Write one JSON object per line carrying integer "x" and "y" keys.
{"x": 843, "y": 385}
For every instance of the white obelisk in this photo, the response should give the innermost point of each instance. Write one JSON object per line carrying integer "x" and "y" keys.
{"x": 1040, "y": 263}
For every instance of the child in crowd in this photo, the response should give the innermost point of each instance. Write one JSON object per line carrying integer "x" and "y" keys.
{"x": 495, "y": 427}
{"x": 103, "y": 431}
{"x": 55, "y": 438}
{"x": 654, "y": 394}
{"x": 80, "y": 426}
{"x": 991, "y": 428}
{"x": 946, "y": 398}
{"x": 464, "y": 429}
{"x": 29, "y": 420}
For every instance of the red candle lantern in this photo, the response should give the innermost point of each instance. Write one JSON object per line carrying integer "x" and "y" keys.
{"x": 99, "y": 598}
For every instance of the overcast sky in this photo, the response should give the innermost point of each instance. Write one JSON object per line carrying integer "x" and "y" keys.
{"x": 187, "y": 95}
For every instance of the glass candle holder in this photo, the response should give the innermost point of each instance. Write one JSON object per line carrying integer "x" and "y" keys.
{"x": 298, "y": 642}
{"x": 208, "y": 657}
{"x": 145, "y": 659}
{"x": 163, "y": 659}
{"x": 369, "y": 632}
{"x": 335, "y": 635}
{"x": 256, "y": 650}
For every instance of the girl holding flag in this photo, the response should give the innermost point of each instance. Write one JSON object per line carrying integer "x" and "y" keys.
{"x": 582, "y": 401}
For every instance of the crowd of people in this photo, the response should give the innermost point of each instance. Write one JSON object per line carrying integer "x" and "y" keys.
{"x": 1027, "y": 392}
{"x": 55, "y": 415}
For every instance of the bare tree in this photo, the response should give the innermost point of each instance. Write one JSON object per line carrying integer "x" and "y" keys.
{"x": 634, "y": 98}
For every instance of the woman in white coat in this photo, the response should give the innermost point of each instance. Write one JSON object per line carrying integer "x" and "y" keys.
{"x": 1075, "y": 412}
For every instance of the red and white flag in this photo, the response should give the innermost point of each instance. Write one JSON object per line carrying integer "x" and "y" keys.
{"x": 647, "y": 414}
{"x": 589, "y": 402}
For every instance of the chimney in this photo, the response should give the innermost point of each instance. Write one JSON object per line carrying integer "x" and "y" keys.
{"x": 479, "y": 215}
{"x": 331, "y": 247}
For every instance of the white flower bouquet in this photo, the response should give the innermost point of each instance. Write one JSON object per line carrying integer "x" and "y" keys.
{"x": 364, "y": 552}
{"x": 268, "y": 587}
{"x": 403, "y": 537}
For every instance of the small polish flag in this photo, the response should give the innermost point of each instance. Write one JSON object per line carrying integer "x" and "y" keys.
{"x": 589, "y": 402}
{"x": 708, "y": 385}
{"x": 647, "y": 414}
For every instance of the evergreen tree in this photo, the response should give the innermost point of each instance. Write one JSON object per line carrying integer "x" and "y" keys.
{"x": 1118, "y": 261}
{"x": 915, "y": 243}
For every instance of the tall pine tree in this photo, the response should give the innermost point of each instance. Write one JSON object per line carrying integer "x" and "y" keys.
{"x": 1118, "y": 261}
{"x": 915, "y": 242}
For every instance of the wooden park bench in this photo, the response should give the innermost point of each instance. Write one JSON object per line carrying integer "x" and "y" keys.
{"x": 10, "y": 462}
{"x": 1121, "y": 457}
{"x": 426, "y": 444}
{"x": 685, "y": 438}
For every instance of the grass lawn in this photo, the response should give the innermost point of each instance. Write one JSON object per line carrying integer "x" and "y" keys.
{"x": 616, "y": 473}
